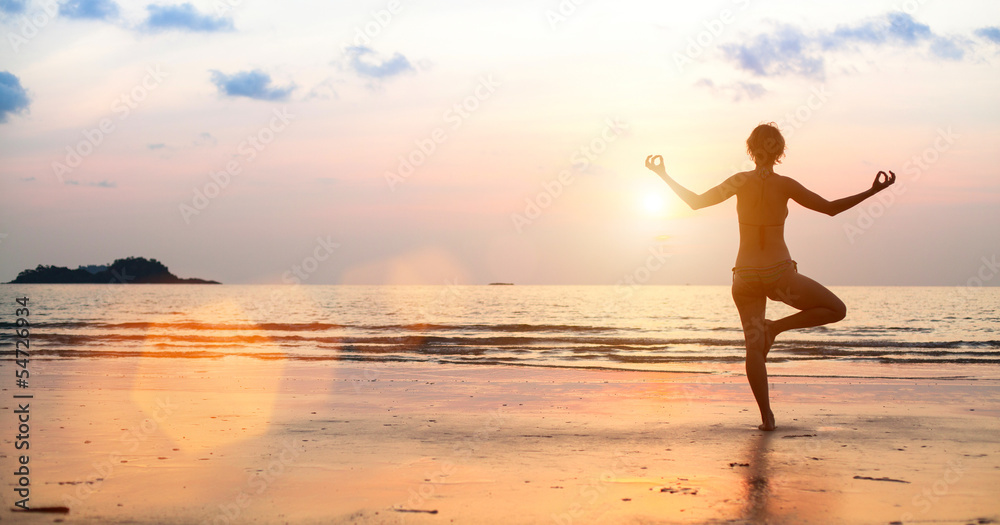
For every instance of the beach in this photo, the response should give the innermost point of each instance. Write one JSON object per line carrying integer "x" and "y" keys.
{"x": 558, "y": 263}
{"x": 246, "y": 440}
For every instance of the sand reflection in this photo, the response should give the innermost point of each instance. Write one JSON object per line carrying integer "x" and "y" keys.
{"x": 757, "y": 481}
{"x": 784, "y": 480}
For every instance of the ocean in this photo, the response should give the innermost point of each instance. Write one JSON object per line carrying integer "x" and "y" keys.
{"x": 943, "y": 332}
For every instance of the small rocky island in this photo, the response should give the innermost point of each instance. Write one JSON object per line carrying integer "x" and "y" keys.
{"x": 131, "y": 270}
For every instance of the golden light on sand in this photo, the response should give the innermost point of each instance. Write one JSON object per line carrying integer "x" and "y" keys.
{"x": 200, "y": 410}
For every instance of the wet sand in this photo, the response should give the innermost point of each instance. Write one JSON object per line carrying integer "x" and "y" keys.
{"x": 239, "y": 440}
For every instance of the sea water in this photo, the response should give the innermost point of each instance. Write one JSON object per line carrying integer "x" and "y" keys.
{"x": 941, "y": 332}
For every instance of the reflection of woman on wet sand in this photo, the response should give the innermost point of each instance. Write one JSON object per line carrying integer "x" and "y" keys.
{"x": 756, "y": 481}
{"x": 764, "y": 268}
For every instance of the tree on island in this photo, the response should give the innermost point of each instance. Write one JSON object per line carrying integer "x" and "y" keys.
{"x": 131, "y": 270}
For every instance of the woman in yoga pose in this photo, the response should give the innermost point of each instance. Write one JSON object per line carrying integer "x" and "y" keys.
{"x": 764, "y": 268}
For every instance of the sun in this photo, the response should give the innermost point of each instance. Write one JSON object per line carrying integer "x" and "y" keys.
{"x": 653, "y": 205}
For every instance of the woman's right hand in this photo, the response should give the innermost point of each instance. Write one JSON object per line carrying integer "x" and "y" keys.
{"x": 879, "y": 184}
{"x": 651, "y": 164}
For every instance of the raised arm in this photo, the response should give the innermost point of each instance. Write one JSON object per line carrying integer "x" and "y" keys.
{"x": 695, "y": 201}
{"x": 814, "y": 202}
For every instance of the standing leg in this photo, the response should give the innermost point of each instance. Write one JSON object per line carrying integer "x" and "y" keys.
{"x": 751, "y": 306}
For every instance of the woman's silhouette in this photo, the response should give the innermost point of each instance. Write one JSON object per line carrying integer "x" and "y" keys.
{"x": 764, "y": 268}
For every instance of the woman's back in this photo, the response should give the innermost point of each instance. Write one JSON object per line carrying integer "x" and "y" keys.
{"x": 761, "y": 207}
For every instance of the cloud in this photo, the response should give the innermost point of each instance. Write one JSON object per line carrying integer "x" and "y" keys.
{"x": 251, "y": 84}
{"x": 101, "y": 184}
{"x": 205, "y": 139}
{"x": 947, "y": 48}
{"x": 184, "y": 17}
{"x": 784, "y": 51}
{"x": 888, "y": 28}
{"x": 749, "y": 89}
{"x": 12, "y": 7}
{"x": 365, "y": 62}
{"x": 158, "y": 145}
{"x": 89, "y": 9}
{"x": 903, "y": 27}
{"x": 323, "y": 91}
{"x": 13, "y": 97}
{"x": 737, "y": 90}
{"x": 789, "y": 51}
{"x": 989, "y": 33}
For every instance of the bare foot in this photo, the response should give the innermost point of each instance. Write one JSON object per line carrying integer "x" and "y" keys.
{"x": 768, "y": 336}
{"x": 768, "y": 424}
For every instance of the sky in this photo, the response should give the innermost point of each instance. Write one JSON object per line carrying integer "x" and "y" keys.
{"x": 413, "y": 142}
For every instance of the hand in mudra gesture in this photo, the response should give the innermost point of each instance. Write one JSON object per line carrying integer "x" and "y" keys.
{"x": 654, "y": 166}
{"x": 881, "y": 183}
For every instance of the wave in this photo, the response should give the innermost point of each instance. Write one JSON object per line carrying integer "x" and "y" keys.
{"x": 316, "y": 326}
{"x": 623, "y": 341}
{"x": 182, "y": 325}
{"x": 482, "y": 342}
